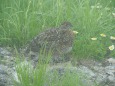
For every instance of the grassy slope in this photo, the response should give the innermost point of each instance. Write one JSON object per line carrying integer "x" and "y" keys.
{"x": 21, "y": 20}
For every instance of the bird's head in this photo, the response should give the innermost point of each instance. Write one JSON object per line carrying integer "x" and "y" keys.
{"x": 66, "y": 25}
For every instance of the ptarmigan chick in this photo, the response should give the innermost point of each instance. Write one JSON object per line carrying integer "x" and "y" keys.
{"x": 57, "y": 40}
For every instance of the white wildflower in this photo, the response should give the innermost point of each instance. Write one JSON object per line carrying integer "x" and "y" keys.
{"x": 112, "y": 37}
{"x": 93, "y": 38}
{"x": 103, "y": 35}
{"x": 111, "y": 47}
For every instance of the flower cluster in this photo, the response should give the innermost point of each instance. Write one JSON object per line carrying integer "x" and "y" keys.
{"x": 112, "y": 47}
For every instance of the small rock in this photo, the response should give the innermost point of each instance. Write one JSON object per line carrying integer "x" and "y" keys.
{"x": 111, "y": 60}
{"x": 4, "y": 52}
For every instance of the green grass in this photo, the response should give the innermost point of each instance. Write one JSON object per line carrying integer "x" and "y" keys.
{"x": 39, "y": 77}
{"x": 28, "y": 76}
{"x": 42, "y": 75}
{"x": 21, "y": 20}
{"x": 31, "y": 75}
{"x": 66, "y": 79}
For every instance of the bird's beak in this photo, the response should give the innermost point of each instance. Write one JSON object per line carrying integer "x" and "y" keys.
{"x": 75, "y": 32}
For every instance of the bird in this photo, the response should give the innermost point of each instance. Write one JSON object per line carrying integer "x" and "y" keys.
{"x": 58, "y": 40}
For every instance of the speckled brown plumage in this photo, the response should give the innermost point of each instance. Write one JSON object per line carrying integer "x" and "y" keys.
{"x": 58, "y": 40}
